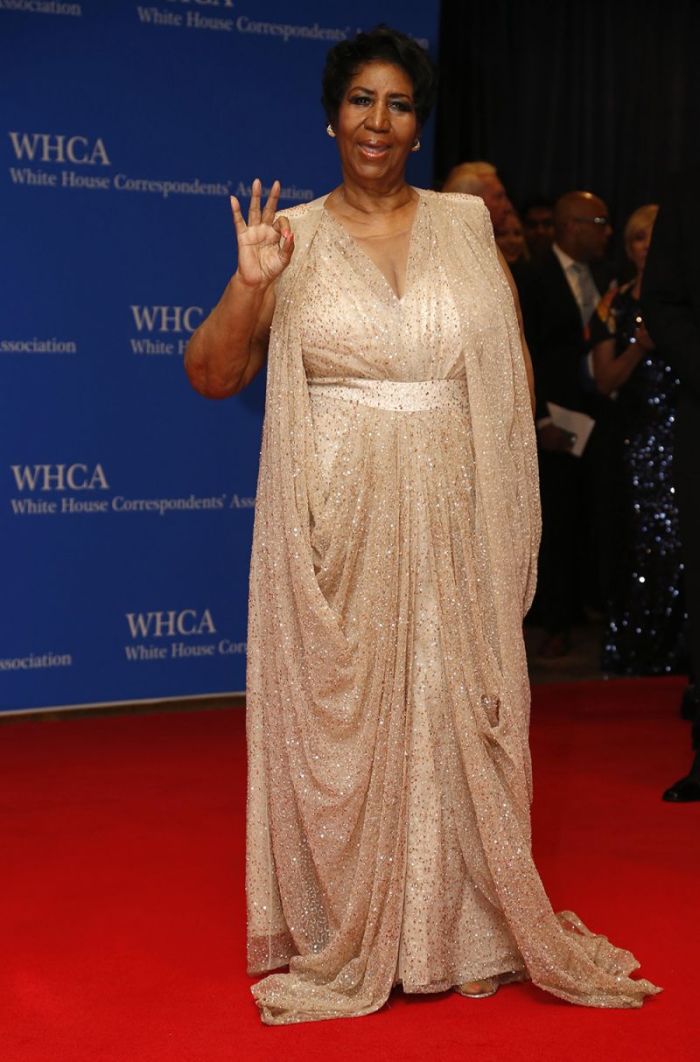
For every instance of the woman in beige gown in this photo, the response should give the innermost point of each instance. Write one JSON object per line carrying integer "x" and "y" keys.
{"x": 394, "y": 556}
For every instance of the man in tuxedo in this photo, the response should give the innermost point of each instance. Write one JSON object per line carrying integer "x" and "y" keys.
{"x": 671, "y": 308}
{"x": 559, "y": 293}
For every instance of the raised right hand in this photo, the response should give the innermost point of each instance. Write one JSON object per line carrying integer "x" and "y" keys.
{"x": 265, "y": 245}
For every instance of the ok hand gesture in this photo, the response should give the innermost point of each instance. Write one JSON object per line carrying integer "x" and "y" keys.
{"x": 265, "y": 246}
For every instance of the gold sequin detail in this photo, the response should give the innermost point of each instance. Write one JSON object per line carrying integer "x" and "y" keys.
{"x": 396, "y": 534}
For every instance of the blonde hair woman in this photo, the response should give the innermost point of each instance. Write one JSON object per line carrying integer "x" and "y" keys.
{"x": 644, "y": 632}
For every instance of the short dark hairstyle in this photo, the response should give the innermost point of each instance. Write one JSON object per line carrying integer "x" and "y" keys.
{"x": 536, "y": 202}
{"x": 385, "y": 45}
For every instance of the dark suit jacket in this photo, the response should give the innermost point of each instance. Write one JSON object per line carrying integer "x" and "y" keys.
{"x": 555, "y": 334}
{"x": 671, "y": 307}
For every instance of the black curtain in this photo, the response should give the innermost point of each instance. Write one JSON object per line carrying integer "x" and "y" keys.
{"x": 564, "y": 94}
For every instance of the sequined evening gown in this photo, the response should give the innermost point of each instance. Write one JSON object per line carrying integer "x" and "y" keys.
{"x": 396, "y": 531}
{"x": 644, "y": 633}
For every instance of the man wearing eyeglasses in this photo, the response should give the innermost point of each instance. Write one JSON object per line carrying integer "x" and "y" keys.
{"x": 559, "y": 294}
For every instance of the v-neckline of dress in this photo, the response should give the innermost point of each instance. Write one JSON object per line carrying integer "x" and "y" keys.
{"x": 375, "y": 271}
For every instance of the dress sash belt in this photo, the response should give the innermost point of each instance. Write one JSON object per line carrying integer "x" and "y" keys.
{"x": 401, "y": 396}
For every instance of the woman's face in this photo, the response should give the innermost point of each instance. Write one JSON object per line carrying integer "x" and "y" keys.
{"x": 510, "y": 239}
{"x": 638, "y": 244}
{"x": 376, "y": 125}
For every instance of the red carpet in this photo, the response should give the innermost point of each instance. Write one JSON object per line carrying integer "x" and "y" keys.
{"x": 123, "y": 913}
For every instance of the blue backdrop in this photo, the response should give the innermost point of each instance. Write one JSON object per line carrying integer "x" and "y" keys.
{"x": 127, "y": 500}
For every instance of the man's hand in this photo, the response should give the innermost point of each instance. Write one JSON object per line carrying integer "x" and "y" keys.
{"x": 555, "y": 440}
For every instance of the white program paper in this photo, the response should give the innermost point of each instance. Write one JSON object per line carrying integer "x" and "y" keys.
{"x": 580, "y": 425}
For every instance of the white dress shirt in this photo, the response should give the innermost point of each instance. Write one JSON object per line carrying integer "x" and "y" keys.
{"x": 581, "y": 283}
{"x": 584, "y": 289}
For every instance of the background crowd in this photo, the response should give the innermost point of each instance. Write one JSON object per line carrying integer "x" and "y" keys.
{"x": 578, "y": 96}
{"x": 610, "y": 535}
{"x": 605, "y": 416}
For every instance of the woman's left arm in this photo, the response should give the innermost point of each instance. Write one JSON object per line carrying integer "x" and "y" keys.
{"x": 523, "y": 342}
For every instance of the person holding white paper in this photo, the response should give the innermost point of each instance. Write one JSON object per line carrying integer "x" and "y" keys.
{"x": 559, "y": 292}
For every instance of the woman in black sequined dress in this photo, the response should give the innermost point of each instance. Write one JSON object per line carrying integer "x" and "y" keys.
{"x": 644, "y": 628}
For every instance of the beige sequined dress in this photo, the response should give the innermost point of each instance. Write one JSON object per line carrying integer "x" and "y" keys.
{"x": 394, "y": 556}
